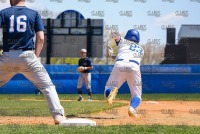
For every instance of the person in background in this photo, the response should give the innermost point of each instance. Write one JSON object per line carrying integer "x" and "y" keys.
{"x": 84, "y": 68}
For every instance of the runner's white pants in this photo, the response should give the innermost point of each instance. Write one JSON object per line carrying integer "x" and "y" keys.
{"x": 126, "y": 71}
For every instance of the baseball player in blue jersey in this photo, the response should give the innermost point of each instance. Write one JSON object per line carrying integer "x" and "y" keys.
{"x": 126, "y": 68}
{"x": 20, "y": 53}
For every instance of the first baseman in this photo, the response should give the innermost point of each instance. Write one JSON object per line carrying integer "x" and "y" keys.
{"x": 84, "y": 67}
{"x": 126, "y": 68}
{"x": 20, "y": 53}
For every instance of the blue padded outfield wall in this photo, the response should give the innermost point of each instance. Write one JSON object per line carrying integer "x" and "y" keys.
{"x": 156, "y": 79}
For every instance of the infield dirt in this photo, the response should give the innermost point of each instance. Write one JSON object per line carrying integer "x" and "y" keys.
{"x": 152, "y": 113}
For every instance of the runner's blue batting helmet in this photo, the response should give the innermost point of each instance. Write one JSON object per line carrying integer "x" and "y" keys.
{"x": 133, "y": 35}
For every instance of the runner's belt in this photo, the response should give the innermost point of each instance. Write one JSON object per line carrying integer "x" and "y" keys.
{"x": 129, "y": 61}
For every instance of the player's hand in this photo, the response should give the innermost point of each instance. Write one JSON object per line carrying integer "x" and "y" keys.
{"x": 115, "y": 35}
{"x": 80, "y": 69}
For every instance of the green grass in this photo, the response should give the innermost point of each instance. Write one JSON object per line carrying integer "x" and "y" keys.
{"x": 12, "y": 105}
{"x": 39, "y": 108}
{"x": 126, "y": 129}
{"x": 145, "y": 97}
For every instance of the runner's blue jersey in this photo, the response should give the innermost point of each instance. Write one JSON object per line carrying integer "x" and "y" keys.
{"x": 19, "y": 25}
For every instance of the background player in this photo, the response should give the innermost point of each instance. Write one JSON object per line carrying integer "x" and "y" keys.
{"x": 85, "y": 65}
{"x": 126, "y": 68}
{"x": 20, "y": 55}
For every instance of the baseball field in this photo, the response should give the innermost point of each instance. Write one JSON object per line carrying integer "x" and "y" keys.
{"x": 161, "y": 114}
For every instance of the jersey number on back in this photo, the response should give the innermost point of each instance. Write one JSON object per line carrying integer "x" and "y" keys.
{"x": 21, "y": 25}
{"x": 136, "y": 48}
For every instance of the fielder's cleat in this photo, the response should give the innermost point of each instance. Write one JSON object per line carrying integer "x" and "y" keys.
{"x": 80, "y": 99}
{"x": 59, "y": 118}
{"x": 112, "y": 96}
{"x": 132, "y": 113}
{"x": 89, "y": 99}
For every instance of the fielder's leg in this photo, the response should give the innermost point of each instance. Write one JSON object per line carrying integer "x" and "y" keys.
{"x": 7, "y": 69}
{"x": 87, "y": 78}
{"x": 134, "y": 82}
{"x": 5, "y": 76}
{"x": 89, "y": 94}
{"x": 79, "y": 86}
{"x": 36, "y": 73}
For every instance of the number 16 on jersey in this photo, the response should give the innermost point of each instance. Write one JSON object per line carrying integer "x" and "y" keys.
{"x": 20, "y": 24}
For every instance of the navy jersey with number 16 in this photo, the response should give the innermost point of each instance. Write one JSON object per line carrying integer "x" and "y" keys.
{"x": 19, "y": 25}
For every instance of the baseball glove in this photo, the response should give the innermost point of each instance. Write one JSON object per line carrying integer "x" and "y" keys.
{"x": 110, "y": 51}
{"x": 80, "y": 69}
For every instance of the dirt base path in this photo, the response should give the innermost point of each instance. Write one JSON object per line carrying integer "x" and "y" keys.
{"x": 159, "y": 112}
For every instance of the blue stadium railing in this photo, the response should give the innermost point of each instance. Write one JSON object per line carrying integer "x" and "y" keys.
{"x": 155, "y": 79}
